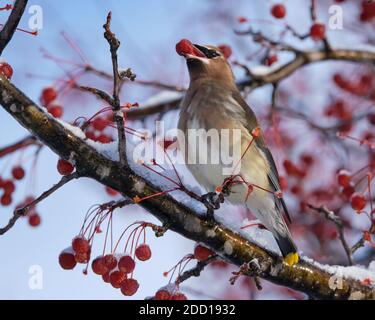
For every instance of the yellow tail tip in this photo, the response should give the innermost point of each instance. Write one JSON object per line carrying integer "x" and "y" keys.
{"x": 291, "y": 259}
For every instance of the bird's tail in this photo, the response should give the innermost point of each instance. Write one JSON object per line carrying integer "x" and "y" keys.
{"x": 287, "y": 248}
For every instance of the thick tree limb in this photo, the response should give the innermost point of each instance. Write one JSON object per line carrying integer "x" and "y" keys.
{"x": 10, "y": 26}
{"x": 304, "y": 276}
{"x": 301, "y": 59}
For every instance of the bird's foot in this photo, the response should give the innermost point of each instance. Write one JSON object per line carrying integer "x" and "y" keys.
{"x": 212, "y": 201}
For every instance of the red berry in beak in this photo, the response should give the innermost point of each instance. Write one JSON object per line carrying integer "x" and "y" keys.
{"x": 184, "y": 47}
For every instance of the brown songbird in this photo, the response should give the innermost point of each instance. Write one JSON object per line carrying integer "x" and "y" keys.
{"x": 214, "y": 103}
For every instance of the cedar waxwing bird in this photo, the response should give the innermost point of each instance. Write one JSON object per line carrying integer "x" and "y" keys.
{"x": 213, "y": 101}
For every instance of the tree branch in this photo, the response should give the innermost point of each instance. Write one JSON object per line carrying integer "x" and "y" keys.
{"x": 10, "y": 26}
{"x": 20, "y": 212}
{"x": 118, "y": 115}
{"x": 304, "y": 276}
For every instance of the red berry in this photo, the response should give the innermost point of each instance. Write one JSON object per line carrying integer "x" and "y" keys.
{"x": 80, "y": 245}
{"x": 270, "y": 60}
{"x": 103, "y": 138}
{"x": 48, "y": 95}
{"x": 6, "y": 70}
{"x": 110, "y": 261}
{"x": 67, "y": 260}
{"x": 184, "y": 47}
{"x": 178, "y": 296}
{"x": 56, "y": 111}
{"x": 318, "y": 31}
{"x": 126, "y": 264}
{"x": 348, "y": 191}
{"x": 90, "y": 135}
{"x": 117, "y": 278}
{"x": 98, "y": 266}
{"x": 64, "y": 167}
{"x": 18, "y": 173}
{"x": 162, "y": 294}
{"x": 344, "y": 178}
{"x": 202, "y": 253}
{"x": 242, "y": 19}
{"x": 357, "y": 201}
{"x": 283, "y": 183}
{"x": 278, "y": 11}
{"x": 105, "y": 277}
{"x": 34, "y": 220}
{"x": 226, "y": 50}
{"x": 111, "y": 191}
{"x": 99, "y": 124}
{"x": 143, "y": 252}
{"x": 82, "y": 257}
{"x": 6, "y": 199}
{"x": 8, "y": 186}
{"x": 129, "y": 287}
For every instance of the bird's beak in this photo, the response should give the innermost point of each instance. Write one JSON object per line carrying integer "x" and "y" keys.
{"x": 189, "y": 50}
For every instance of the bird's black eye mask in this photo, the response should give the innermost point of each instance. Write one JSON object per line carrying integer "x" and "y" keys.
{"x": 209, "y": 53}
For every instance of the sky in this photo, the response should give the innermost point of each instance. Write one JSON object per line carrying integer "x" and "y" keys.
{"x": 148, "y": 31}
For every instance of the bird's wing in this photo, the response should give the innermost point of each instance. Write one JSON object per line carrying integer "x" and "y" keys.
{"x": 273, "y": 175}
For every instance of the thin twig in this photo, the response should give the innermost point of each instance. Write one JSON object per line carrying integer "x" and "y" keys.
{"x": 330, "y": 215}
{"x": 10, "y": 26}
{"x": 196, "y": 271}
{"x": 114, "y": 44}
{"x": 20, "y": 212}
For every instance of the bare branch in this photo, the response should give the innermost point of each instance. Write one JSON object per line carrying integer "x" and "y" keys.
{"x": 114, "y": 44}
{"x": 330, "y": 215}
{"x": 10, "y": 26}
{"x": 197, "y": 270}
{"x": 20, "y": 212}
{"x": 23, "y": 143}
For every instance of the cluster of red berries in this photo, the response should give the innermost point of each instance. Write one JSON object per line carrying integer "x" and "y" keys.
{"x": 118, "y": 269}
{"x": 340, "y": 110}
{"x": 8, "y": 186}
{"x": 97, "y": 127}
{"x": 361, "y": 86}
{"x": 49, "y": 100}
{"x": 78, "y": 252}
{"x": 169, "y": 292}
{"x": 357, "y": 199}
{"x": 6, "y": 70}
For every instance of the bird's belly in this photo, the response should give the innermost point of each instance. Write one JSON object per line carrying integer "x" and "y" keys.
{"x": 252, "y": 169}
